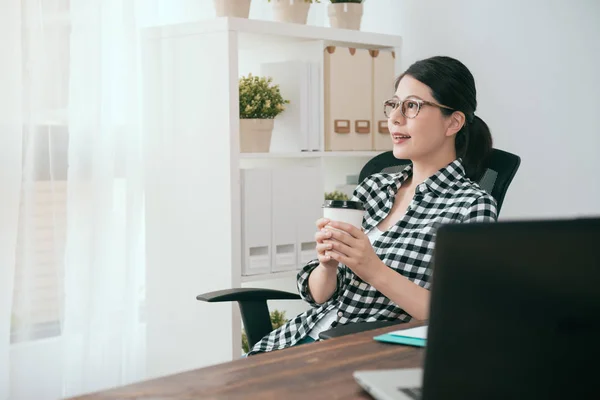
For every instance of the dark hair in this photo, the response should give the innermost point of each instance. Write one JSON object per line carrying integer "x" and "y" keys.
{"x": 452, "y": 85}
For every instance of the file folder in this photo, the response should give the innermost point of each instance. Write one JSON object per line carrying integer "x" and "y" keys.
{"x": 383, "y": 89}
{"x": 411, "y": 337}
{"x": 348, "y": 100}
{"x": 291, "y": 130}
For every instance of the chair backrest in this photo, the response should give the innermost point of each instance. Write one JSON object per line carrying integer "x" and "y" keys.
{"x": 500, "y": 170}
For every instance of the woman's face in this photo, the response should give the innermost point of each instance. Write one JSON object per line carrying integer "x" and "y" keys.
{"x": 426, "y": 135}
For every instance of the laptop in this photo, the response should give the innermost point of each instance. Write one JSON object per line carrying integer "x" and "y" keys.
{"x": 514, "y": 314}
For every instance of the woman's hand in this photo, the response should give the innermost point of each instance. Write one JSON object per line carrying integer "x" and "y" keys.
{"x": 326, "y": 260}
{"x": 352, "y": 248}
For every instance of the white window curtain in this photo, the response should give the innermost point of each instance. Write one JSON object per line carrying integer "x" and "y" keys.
{"x": 71, "y": 178}
{"x": 72, "y": 192}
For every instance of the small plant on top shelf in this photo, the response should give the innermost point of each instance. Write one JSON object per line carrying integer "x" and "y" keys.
{"x": 295, "y": 11}
{"x": 336, "y": 195}
{"x": 345, "y": 14}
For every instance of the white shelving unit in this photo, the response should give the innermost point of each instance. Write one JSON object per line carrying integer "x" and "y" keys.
{"x": 310, "y": 154}
{"x": 191, "y": 124}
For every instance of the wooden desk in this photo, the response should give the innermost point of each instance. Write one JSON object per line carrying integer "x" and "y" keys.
{"x": 321, "y": 370}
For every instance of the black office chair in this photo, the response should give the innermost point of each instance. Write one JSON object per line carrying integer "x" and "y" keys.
{"x": 500, "y": 171}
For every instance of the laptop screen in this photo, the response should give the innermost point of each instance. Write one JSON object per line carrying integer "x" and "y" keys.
{"x": 515, "y": 311}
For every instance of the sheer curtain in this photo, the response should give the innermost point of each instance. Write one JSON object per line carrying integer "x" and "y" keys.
{"x": 71, "y": 221}
{"x": 10, "y": 173}
{"x": 71, "y": 183}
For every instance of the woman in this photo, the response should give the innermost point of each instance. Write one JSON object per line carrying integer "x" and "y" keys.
{"x": 383, "y": 271}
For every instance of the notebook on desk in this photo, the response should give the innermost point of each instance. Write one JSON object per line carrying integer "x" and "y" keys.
{"x": 410, "y": 337}
{"x": 513, "y": 315}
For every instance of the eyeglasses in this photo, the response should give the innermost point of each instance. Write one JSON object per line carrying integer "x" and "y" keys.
{"x": 409, "y": 108}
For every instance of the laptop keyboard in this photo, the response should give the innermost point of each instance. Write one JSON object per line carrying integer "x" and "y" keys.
{"x": 413, "y": 393}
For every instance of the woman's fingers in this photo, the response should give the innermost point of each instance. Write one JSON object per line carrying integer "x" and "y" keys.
{"x": 322, "y": 222}
{"x": 323, "y": 247}
{"x": 322, "y": 235}
{"x": 340, "y": 236}
{"x": 337, "y": 247}
{"x": 351, "y": 230}
{"x": 323, "y": 259}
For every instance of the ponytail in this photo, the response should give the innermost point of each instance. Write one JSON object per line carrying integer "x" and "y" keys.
{"x": 474, "y": 145}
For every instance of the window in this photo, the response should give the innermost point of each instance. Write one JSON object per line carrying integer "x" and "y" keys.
{"x": 41, "y": 238}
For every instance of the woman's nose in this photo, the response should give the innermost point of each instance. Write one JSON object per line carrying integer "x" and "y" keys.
{"x": 396, "y": 117}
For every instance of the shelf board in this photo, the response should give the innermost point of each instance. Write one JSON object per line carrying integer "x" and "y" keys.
{"x": 310, "y": 154}
{"x": 262, "y": 32}
{"x": 266, "y": 277}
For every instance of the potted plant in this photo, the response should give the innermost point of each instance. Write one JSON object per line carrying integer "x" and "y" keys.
{"x": 295, "y": 11}
{"x": 260, "y": 103}
{"x": 277, "y": 319}
{"x": 336, "y": 195}
{"x": 345, "y": 14}
{"x": 232, "y": 8}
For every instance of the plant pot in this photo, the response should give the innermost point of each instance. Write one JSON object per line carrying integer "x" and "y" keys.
{"x": 294, "y": 11}
{"x": 345, "y": 15}
{"x": 232, "y": 8}
{"x": 255, "y": 135}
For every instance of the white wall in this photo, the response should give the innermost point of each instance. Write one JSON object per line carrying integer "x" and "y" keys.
{"x": 536, "y": 65}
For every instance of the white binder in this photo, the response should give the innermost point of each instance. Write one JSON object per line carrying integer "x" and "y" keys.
{"x": 310, "y": 194}
{"x": 315, "y": 124}
{"x": 256, "y": 221}
{"x": 284, "y": 207}
{"x": 291, "y": 130}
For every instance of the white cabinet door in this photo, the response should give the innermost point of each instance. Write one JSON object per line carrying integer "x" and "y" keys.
{"x": 256, "y": 221}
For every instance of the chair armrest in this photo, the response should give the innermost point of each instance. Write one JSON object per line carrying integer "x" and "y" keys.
{"x": 355, "y": 327}
{"x": 246, "y": 294}
{"x": 253, "y": 307}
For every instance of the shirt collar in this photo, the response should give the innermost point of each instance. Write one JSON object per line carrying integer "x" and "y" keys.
{"x": 437, "y": 183}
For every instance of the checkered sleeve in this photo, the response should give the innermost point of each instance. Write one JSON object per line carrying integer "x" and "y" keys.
{"x": 302, "y": 282}
{"x": 483, "y": 209}
{"x": 361, "y": 192}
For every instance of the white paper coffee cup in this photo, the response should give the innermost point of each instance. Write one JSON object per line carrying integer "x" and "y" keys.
{"x": 350, "y": 212}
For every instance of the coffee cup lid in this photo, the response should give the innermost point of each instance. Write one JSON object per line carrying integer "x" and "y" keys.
{"x": 352, "y": 205}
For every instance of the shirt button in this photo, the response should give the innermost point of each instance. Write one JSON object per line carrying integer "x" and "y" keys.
{"x": 356, "y": 283}
{"x": 340, "y": 314}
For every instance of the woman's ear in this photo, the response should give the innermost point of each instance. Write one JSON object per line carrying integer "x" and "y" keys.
{"x": 457, "y": 121}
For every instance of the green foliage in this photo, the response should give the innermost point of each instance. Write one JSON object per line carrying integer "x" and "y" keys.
{"x": 307, "y": 1}
{"x": 277, "y": 320}
{"x": 259, "y": 98}
{"x": 336, "y": 195}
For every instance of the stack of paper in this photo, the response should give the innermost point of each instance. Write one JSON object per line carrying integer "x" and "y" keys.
{"x": 298, "y": 127}
{"x": 412, "y": 337}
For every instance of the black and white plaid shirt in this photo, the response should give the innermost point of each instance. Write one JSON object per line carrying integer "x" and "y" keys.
{"x": 407, "y": 247}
